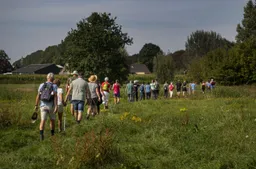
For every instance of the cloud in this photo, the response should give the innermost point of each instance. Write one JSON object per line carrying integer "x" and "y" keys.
{"x": 29, "y": 25}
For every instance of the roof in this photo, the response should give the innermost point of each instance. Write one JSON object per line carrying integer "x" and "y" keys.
{"x": 139, "y": 68}
{"x": 32, "y": 68}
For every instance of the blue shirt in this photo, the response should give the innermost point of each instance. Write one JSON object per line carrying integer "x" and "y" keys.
{"x": 193, "y": 86}
{"x": 148, "y": 87}
{"x": 48, "y": 104}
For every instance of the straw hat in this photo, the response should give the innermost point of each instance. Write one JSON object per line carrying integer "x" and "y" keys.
{"x": 74, "y": 73}
{"x": 92, "y": 78}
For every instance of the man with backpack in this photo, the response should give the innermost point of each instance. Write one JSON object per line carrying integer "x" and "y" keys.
{"x": 80, "y": 91}
{"x": 166, "y": 89}
{"x": 47, "y": 96}
{"x": 157, "y": 88}
{"x": 105, "y": 94}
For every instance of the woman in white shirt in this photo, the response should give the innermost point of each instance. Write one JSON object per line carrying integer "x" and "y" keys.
{"x": 60, "y": 103}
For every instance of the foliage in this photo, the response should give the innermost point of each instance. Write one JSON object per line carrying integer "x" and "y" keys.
{"x": 95, "y": 47}
{"x": 232, "y": 67}
{"x": 5, "y": 65}
{"x": 200, "y": 42}
{"x": 147, "y": 54}
{"x": 247, "y": 30}
{"x": 164, "y": 68}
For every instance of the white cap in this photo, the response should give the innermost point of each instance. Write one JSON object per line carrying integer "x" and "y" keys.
{"x": 106, "y": 78}
{"x": 74, "y": 73}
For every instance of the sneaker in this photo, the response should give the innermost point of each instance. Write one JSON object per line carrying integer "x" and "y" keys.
{"x": 41, "y": 137}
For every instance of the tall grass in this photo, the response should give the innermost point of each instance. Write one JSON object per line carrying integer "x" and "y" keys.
{"x": 215, "y": 130}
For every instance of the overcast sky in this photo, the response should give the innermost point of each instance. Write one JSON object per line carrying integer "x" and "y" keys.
{"x": 30, "y": 25}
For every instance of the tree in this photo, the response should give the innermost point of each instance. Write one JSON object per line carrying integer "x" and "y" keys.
{"x": 247, "y": 29}
{"x": 164, "y": 68}
{"x": 201, "y": 42}
{"x": 5, "y": 65}
{"x": 95, "y": 47}
{"x": 147, "y": 54}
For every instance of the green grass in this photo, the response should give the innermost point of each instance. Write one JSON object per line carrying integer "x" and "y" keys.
{"x": 215, "y": 131}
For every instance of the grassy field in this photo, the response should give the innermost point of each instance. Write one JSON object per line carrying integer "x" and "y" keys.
{"x": 212, "y": 131}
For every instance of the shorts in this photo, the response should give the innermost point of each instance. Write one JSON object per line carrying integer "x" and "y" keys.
{"x": 117, "y": 94}
{"x": 184, "y": 89}
{"x": 47, "y": 111}
{"x": 70, "y": 98}
{"x": 92, "y": 102}
{"x": 78, "y": 105}
{"x": 60, "y": 109}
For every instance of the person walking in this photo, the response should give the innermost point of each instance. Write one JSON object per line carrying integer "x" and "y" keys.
{"x": 153, "y": 89}
{"x": 129, "y": 90}
{"x": 105, "y": 94}
{"x": 47, "y": 96}
{"x": 171, "y": 88}
{"x": 100, "y": 93}
{"x": 80, "y": 91}
{"x": 69, "y": 81}
{"x": 165, "y": 89}
{"x": 178, "y": 87}
{"x": 142, "y": 91}
{"x": 116, "y": 89}
{"x": 203, "y": 87}
{"x": 95, "y": 96}
{"x": 184, "y": 88}
{"x": 157, "y": 89}
{"x": 60, "y": 104}
{"x": 193, "y": 87}
{"x": 148, "y": 91}
{"x": 135, "y": 90}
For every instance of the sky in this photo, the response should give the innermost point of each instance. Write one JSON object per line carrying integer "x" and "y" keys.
{"x": 30, "y": 25}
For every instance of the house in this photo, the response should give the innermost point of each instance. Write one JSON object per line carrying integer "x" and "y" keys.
{"x": 140, "y": 69}
{"x": 38, "y": 69}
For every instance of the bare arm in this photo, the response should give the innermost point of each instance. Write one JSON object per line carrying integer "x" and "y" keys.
{"x": 66, "y": 98}
{"x": 37, "y": 100}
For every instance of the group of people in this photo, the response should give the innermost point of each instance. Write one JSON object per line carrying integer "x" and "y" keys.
{"x": 93, "y": 93}
{"x": 78, "y": 93}
{"x": 142, "y": 91}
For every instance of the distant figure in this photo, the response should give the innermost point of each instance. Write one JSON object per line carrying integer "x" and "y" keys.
{"x": 171, "y": 88}
{"x": 184, "y": 88}
{"x": 153, "y": 89}
{"x": 212, "y": 84}
{"x": 208, "y": 85}
{"x": 116, "y": 89}
{"x": 148, "y": 91}
{"x": 142, "y": 91}
{"x": 105, "y": 95}
{"x": 129, "y": 90}
{"x": 193, "y": 87}
{"x": 100, "y": 93}
{"x": 203, "y": 87}
{"x": 165, "y": 89}
{"x": 135, "y": 90}
{"x": 157, "y": 89}
{"x": 178, "y": 87}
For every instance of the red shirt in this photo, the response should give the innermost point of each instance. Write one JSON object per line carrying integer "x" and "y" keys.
{"x": 171, "y": 87}
{"x": 116, "y": 88}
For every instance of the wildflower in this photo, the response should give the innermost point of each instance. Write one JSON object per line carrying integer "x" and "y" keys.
{"x": 246, "y": 136}
{"x": 183, "y": 109}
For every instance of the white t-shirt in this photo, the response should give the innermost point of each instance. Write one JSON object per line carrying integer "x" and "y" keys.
{"x": 59, "y": 93}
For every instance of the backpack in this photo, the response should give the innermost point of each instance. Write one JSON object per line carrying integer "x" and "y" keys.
{"x": 142, "y": 88}
{"x": 105, "y": 86}
{"x": 165, "y": 87}
{"x": 157, "y": 86}
{"x": 46, "y": 92}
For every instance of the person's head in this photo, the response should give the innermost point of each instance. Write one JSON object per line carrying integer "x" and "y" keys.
{"x": 106, "y": 79}
{"x": 50, "y": 77}
{"x": 117, "y": 81}
{"x": 57, "y": 82}
{"x": 156, "y": 80}
{"x": 153, "y": 81}
{"x": 92, "y": 78}
{"x": 75, "y": 74}
{"x": 171, "y": 83}
{"x": 81, "y": 74}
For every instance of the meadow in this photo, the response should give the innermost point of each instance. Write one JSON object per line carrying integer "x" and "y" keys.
{"x": 215, "y": 130}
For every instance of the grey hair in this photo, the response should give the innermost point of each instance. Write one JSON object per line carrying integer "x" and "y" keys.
{"x": 50, "y": 76}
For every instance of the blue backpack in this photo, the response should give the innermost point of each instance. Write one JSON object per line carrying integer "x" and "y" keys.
{"x": 46, "y": 92}
{"x": 142, "y": 88}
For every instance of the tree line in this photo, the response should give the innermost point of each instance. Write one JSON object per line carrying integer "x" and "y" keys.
{"x": 98, "y": 45}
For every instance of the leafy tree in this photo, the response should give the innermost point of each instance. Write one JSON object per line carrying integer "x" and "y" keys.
{"x": 95, "y": 47}
{"x": 5, "y": 65}
{"x": 147, "y": 54}
{"x": 164, "y": 68}
{"x": 247, "y": 29}
{"x": 201, "y": 42}
{"x": 132, "y": 59}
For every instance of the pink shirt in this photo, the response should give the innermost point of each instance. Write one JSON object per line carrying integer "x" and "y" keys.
{"x": 116, "y": 88}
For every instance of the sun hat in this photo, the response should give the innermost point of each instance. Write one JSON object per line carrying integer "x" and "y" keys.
{"x": 93, "y": 78}
{"x": 74, "y": 73}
